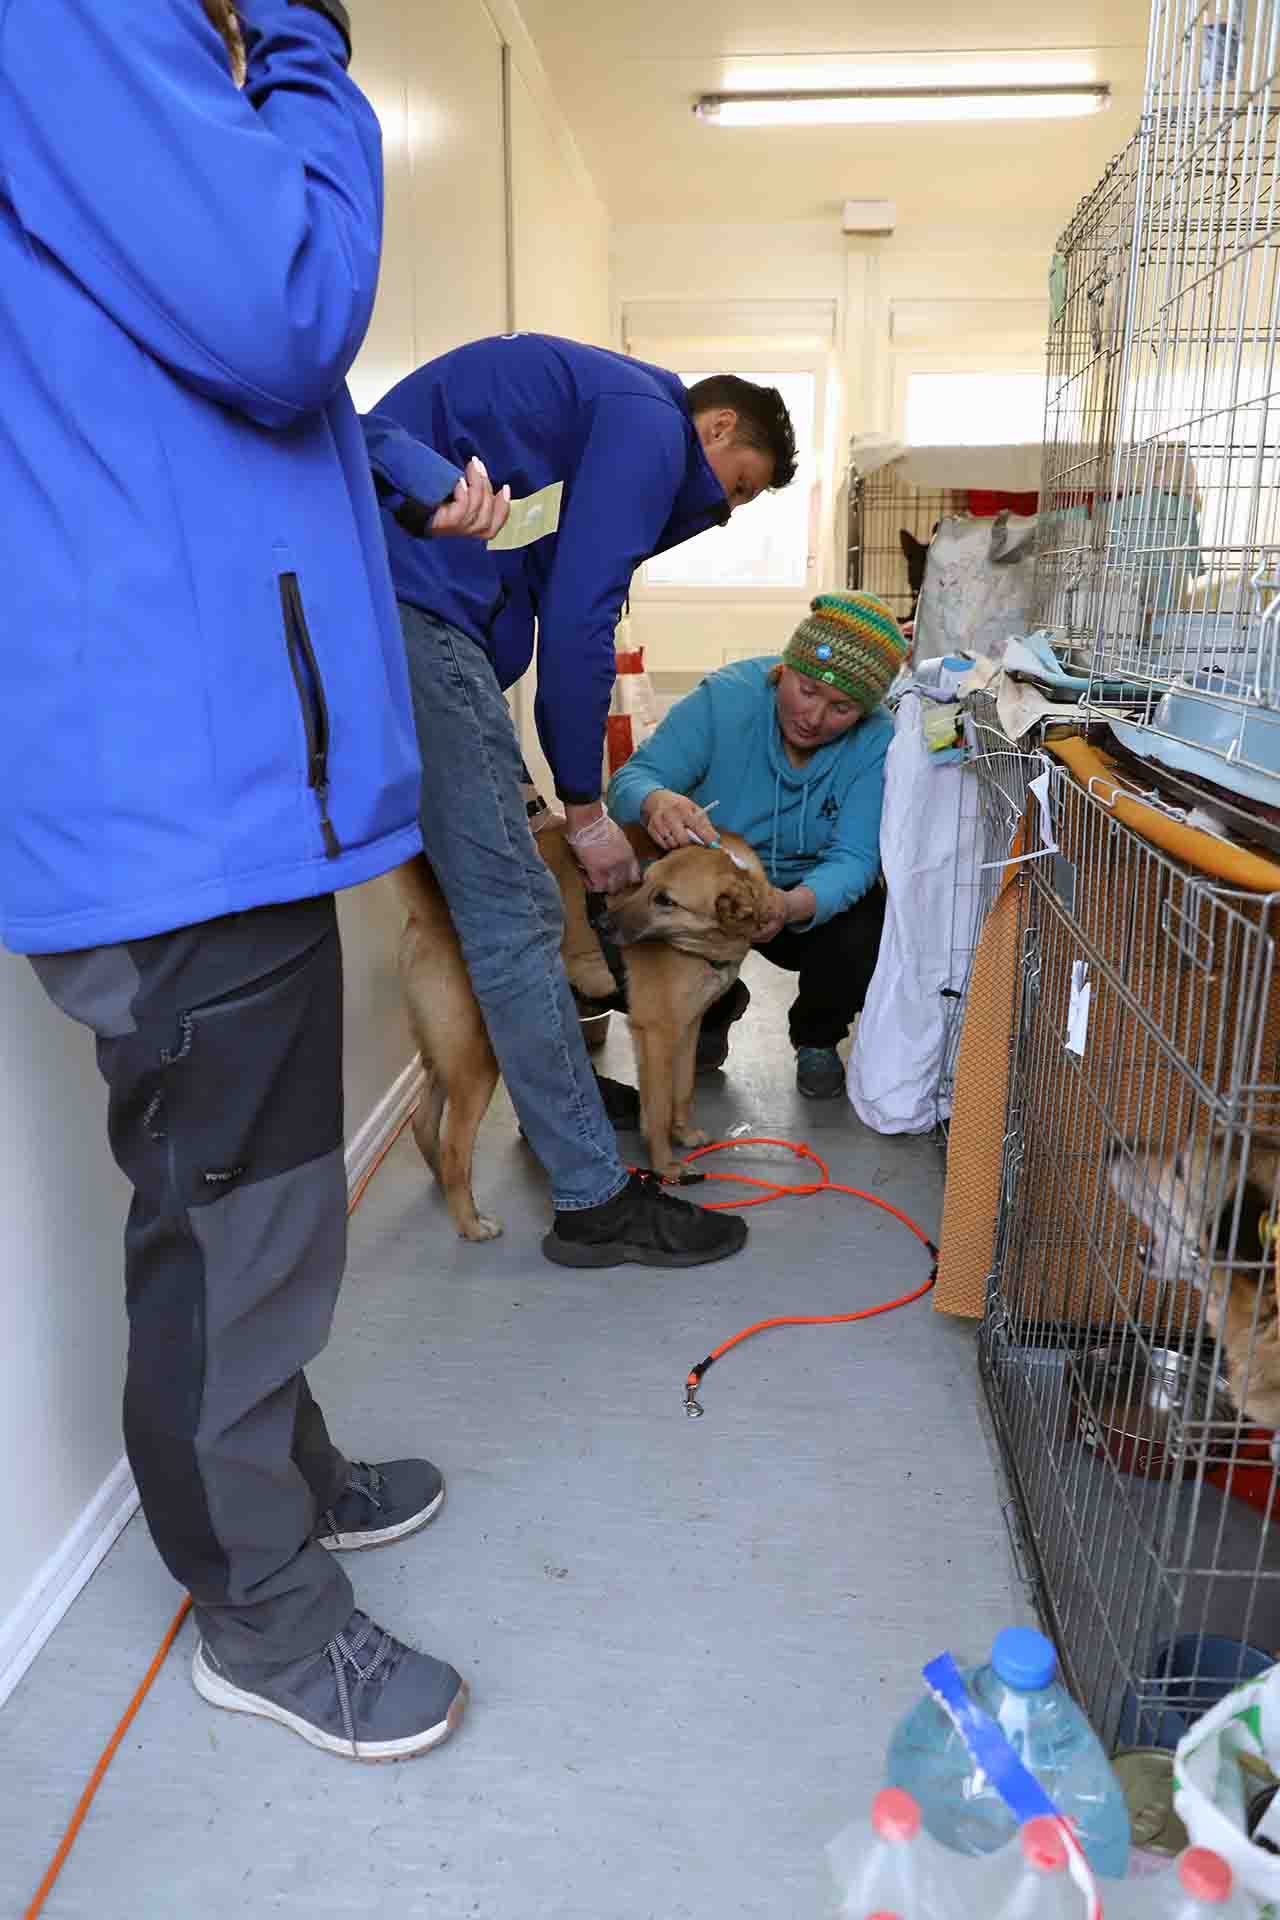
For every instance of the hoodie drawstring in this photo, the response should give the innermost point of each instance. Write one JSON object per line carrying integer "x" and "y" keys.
{"x": 773, "y": 844}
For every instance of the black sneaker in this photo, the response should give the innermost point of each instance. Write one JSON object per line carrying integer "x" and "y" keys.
{"x": 365, "y": 1696}
{"x": 713, "y": 1042}
{"x": 381, "y": 1503}
{"x": 621, "y": 1103}
{"x": 647, "y": 1225}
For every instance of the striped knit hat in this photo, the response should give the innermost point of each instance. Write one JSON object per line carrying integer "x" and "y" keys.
{"x": 850, "y": 641}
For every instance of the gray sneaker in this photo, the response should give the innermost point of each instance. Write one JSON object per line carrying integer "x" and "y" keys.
{"x": 381, "y": 1503}
{"x": 365, "y": 1696}
{"x": 819, "y": 1072}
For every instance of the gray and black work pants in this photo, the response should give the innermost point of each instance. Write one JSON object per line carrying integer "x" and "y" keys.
{"x": 221, "y": 1046}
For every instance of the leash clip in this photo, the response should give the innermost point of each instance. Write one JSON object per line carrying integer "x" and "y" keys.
{"x": 693, "y": 1407}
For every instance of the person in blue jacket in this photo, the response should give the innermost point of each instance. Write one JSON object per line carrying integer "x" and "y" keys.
{"x": 790, "y": 752}
{"x": 618, "y": 461}
{"x": 207, "y": 730}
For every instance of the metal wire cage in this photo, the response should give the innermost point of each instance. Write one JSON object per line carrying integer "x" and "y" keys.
{"x": 993, "y": 796}
{"x": 1086, "y": 336}
{"x": 1131, "y": 1347}
{"x": 1187, "y": 624}
{"x": 881, "y": 508}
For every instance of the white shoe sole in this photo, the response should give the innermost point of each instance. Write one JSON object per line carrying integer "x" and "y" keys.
{"x": 379, "y": 1536}
{"x": 221, "y": 1692}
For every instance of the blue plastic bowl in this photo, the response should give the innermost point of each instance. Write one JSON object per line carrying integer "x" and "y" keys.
{"x": 1191, "y": 1675}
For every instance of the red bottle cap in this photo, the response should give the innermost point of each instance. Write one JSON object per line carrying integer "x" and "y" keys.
{"x": 1205, "y": 1875}
{"x": 884, "y": 1916}
{"x": 895, "y": 1815}
{"x": 1043, "y": 1846}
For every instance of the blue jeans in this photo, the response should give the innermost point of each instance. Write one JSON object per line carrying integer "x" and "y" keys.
{"x": 506, "y": 908}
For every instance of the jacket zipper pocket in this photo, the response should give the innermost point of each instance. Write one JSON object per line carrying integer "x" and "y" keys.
{"x": 315, "y": 711}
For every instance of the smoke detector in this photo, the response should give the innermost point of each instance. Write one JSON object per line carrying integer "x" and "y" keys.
{"x": 869, "y": 216}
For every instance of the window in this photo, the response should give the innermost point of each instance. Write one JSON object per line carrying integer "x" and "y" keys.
{"x": 767, "y": 543}
{"x": 974, "y": 409}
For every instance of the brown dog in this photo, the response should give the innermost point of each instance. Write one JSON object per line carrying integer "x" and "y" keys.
{"x": 684, "y": 932}
{"x": 1187, "y": 1203}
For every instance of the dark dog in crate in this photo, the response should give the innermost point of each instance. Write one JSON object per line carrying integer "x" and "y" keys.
{"x": 1207, "y": 1211}
{"x": 916, "y": 554}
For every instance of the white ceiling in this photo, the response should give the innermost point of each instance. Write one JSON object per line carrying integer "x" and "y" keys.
{"x": 626, "y": 75}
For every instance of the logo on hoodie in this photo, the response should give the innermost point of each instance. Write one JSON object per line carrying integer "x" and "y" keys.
{"x": 830, "y": 808}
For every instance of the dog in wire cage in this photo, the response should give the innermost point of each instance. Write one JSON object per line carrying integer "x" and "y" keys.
{"x": 1208, "y": 1211}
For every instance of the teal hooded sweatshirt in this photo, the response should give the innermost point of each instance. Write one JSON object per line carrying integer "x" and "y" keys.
{"x": 816, "y": 825}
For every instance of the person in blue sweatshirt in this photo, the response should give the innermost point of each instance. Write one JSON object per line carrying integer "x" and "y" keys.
{"x": 618, "y": 461}
{"x": 791, "y": 752}
{"x": 207, "y": 730}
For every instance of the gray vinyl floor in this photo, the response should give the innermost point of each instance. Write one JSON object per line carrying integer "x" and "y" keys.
{"x": 687, "y": 1641}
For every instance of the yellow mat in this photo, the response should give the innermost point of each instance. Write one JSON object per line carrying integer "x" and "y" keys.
{"x": 975, "y": 1147}
{"x": 1236, "y": 866}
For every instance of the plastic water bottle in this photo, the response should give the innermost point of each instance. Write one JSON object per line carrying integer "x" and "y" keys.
{"x": 1050, "y": 1735}
{"x": 1043, "y": 1888}
{"x": 1199, "y": 1886}
{"x": 887, "y": 1866}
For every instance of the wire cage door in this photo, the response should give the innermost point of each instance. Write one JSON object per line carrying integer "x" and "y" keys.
{"x": 1088, "y": 285}
{"x": 1187, "y": 641}
{"x": 1131, "y": 1346}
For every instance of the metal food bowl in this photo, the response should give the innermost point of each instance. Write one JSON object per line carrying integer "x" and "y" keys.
{"x": 1133, "y": 1405}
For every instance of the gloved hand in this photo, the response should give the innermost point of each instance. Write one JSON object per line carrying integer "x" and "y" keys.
{"x": 474, "y": 510}
{"x": 602, "y": 850}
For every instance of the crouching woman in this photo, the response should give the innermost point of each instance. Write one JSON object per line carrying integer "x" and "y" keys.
{"x": 790, "y": 753}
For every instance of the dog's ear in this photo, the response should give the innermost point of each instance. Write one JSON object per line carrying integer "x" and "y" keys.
{"x": 741, "y": 906}
{"x": 738, "y": 905}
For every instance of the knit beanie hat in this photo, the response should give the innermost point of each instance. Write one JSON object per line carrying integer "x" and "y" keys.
{"x": 850, "y": 641}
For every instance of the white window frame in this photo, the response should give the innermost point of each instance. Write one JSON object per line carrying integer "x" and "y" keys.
{"x": 705, "y": 360}
{"x": 906, "y": 361}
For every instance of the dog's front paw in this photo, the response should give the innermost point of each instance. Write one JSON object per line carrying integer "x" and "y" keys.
{"x": 481, "y": 1228}
{"x": 690, "y": 1137}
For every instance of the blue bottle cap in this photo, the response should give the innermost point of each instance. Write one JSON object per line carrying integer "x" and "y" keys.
{"x": 1024, "y": 1659}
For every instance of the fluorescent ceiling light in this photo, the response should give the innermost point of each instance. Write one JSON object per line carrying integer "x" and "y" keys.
{"x": 883, "y": 106}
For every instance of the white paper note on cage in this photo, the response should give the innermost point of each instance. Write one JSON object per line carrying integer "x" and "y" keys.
{"x": 1078, "y": 1010}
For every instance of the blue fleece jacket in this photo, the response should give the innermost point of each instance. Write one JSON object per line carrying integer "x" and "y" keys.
{"x": 618, "y": 434}
{"x": 206, "y": 701}
{"x": 816, "y": 825}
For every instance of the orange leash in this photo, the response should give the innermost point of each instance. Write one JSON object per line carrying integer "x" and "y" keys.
{"x": 108, "y": 1753}
{"x": 774, "y": 1190}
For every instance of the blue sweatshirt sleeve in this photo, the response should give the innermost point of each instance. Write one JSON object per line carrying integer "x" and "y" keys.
{"x": 619, "y": 500}
{"x": 411, "y": 478}
{"x": 851, "y": 863}
{"x": 676, "y": 755}
{"x": 234, "y": 235}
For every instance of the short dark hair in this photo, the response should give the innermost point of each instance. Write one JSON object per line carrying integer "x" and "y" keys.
{"x": 763, "y": 420}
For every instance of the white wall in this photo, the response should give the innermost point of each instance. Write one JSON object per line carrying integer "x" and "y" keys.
{"x": 435, "y": 76}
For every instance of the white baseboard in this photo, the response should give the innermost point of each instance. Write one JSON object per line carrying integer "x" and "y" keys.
{"x": 24, "y": 1631}
{"x": 63, "y": 1574}
{"x": 369, "y": 1140}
